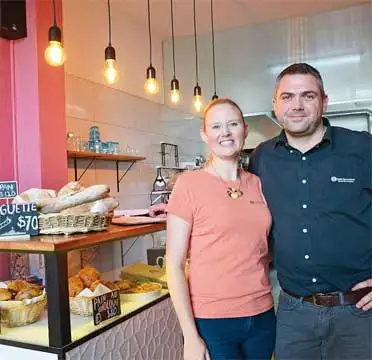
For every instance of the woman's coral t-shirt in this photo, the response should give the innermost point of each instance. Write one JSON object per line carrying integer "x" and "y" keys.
{"x": 228, "y": 250}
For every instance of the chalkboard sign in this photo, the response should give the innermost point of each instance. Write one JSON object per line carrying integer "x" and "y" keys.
{"x": 18, "y": 219}
{"x": 8, "y": 189}
{"x": 106, "y": 306}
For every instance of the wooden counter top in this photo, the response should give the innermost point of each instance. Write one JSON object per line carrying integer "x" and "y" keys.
{"x": 50, "y": 243}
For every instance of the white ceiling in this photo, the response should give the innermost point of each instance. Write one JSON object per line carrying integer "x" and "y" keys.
{"x": 227, "y": 13}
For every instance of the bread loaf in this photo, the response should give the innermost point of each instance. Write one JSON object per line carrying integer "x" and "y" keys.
{"x": 41, "y": 197}
{"x": 71, "y": 188}
{"x": 89, "y": 194}
{"x": 103, "y": 206}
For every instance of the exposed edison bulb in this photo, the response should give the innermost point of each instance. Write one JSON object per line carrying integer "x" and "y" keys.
{"x": 175, "y": 96}
{"x": 175, "y": 90}
{"x": 198, "y": 103}
{"x": 151, "y": 86}
{"x": 110, "y": 72}
{"x": 55, "y": 54}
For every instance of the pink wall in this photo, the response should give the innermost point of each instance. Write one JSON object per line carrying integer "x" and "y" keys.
{"x": 32, "y": 109}
{"x": 6, "y": 137}
{"x": 40, "y": 105}
{"x": 6, "y": 143}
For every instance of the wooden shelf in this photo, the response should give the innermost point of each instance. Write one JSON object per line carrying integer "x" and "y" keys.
{"x": 106, "y": 157}
{"x": 98, "y": 156}
{"x": 52, "y": 243}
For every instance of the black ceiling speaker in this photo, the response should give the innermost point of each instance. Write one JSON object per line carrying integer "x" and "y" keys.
{"x": 13, "y": 19}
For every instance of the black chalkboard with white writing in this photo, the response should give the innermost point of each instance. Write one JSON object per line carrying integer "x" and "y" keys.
{"x": 18, "y": 219}
{"x": 106, "y": 306}
{"x": 8, "y": 189}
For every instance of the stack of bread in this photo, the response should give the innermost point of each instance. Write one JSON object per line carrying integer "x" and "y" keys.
{"x": 21, "y": 303}
{"x": 74, "y": 208}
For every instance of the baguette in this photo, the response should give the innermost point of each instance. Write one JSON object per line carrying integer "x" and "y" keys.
{"x": 41, "y": 197}
{"x": 71, "y": 188}
{"x": 89, "y": 194}
{"x": 103, "y": 206}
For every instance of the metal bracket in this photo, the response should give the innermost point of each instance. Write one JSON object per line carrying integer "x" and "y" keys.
{"x": 119, "y": 178}
{"x": 85, "y": 170}
{"x": 122, "y": 253}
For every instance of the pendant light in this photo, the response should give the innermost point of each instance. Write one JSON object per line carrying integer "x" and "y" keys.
{"x": 110, "y": 71}
{"x": 215, "y": 96}
{"x": 175, "y": 85}
{"x": 55, "y": 54}
{"x": 197, "y": 99}
{"x": 151, "y": 84}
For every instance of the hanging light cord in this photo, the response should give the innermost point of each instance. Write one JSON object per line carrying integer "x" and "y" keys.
{"x": 196, "y": 48}
{"x": 109, "y": 20}
{"x": 213, "y": 55}
{"x": 54, "y": 13}
{"x": 149, "y": 21}
{"x": 174, "y": 57}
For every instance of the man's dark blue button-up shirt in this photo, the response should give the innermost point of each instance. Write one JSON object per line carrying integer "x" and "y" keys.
{"x": 320, "y": 202}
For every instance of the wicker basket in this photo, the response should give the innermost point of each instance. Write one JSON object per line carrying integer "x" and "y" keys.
{"x": 20, "y": 315}
{"x": 69, "y": 224}
{"x": 81, "y": 305}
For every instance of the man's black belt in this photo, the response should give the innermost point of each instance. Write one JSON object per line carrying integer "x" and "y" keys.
{"x": 334, "y": 298}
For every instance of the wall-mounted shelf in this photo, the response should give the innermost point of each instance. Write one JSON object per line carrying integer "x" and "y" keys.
{"x": 106, "y": 157}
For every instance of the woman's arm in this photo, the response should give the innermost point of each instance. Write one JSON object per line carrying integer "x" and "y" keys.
{"x": 178, "y": 234}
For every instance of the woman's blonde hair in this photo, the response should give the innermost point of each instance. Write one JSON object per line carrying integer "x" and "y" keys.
{"x": 221, "y": 101}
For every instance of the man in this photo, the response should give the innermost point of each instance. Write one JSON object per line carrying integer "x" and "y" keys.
{"x": 317, "y": 181}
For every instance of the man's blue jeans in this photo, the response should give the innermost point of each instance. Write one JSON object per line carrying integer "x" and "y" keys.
{"x": 242, "y": 338}
{"x": 306, "y": 331}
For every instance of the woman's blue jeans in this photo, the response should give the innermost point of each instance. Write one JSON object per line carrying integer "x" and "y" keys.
{"x": 243, "y": 338}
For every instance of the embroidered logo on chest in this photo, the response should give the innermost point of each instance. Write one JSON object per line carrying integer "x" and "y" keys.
{"x": 256, "y": 202}
{"x": 335, "y": 179}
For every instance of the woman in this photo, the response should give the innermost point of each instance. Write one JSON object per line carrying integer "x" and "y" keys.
{"x": 219, "y": 218}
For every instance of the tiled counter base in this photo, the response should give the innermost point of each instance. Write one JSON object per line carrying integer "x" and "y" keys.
{"x": 150, "y": 334}
{"x": 153, "y": 334}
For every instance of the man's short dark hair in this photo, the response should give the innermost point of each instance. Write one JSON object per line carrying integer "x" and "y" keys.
{"x": 302, "y": 69}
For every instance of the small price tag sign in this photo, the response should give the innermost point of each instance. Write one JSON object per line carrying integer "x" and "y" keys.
{"x": 106, "y": 306}
{"x": 18, "y": 220}
{"x": 8, "y": 189}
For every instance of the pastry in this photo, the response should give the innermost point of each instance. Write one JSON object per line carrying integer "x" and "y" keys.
{"x": 28, "y": 293}
{"x": 17, "y": 285}
{"x": 5, "y": 295}
{"x": 75, "y": 286}
{"x": 89, "y": 275}
{"x": 108, "y": 284}
{"x": 143, "y": 288}
{"x": 124, "y": 285}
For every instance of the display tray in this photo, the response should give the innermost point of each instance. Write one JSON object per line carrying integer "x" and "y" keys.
{"x": 37, "y": 333}
{"x": 136, "y": 220}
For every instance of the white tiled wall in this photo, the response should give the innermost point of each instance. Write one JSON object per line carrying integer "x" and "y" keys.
{"x": 132, "y": 121}
{"x": 244, "y": 57}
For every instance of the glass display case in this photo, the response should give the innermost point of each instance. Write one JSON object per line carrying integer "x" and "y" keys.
{"x": 65, "y": 329}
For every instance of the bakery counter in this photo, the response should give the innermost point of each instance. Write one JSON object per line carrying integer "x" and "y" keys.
{"x": 52, "y": 243}
{"x": 146, "y": 329}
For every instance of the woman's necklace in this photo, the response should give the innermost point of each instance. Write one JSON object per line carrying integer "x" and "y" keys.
{"x": 232, "y": 193}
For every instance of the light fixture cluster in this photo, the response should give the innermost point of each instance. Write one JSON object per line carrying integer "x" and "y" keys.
{"x": 55, "y": 56}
